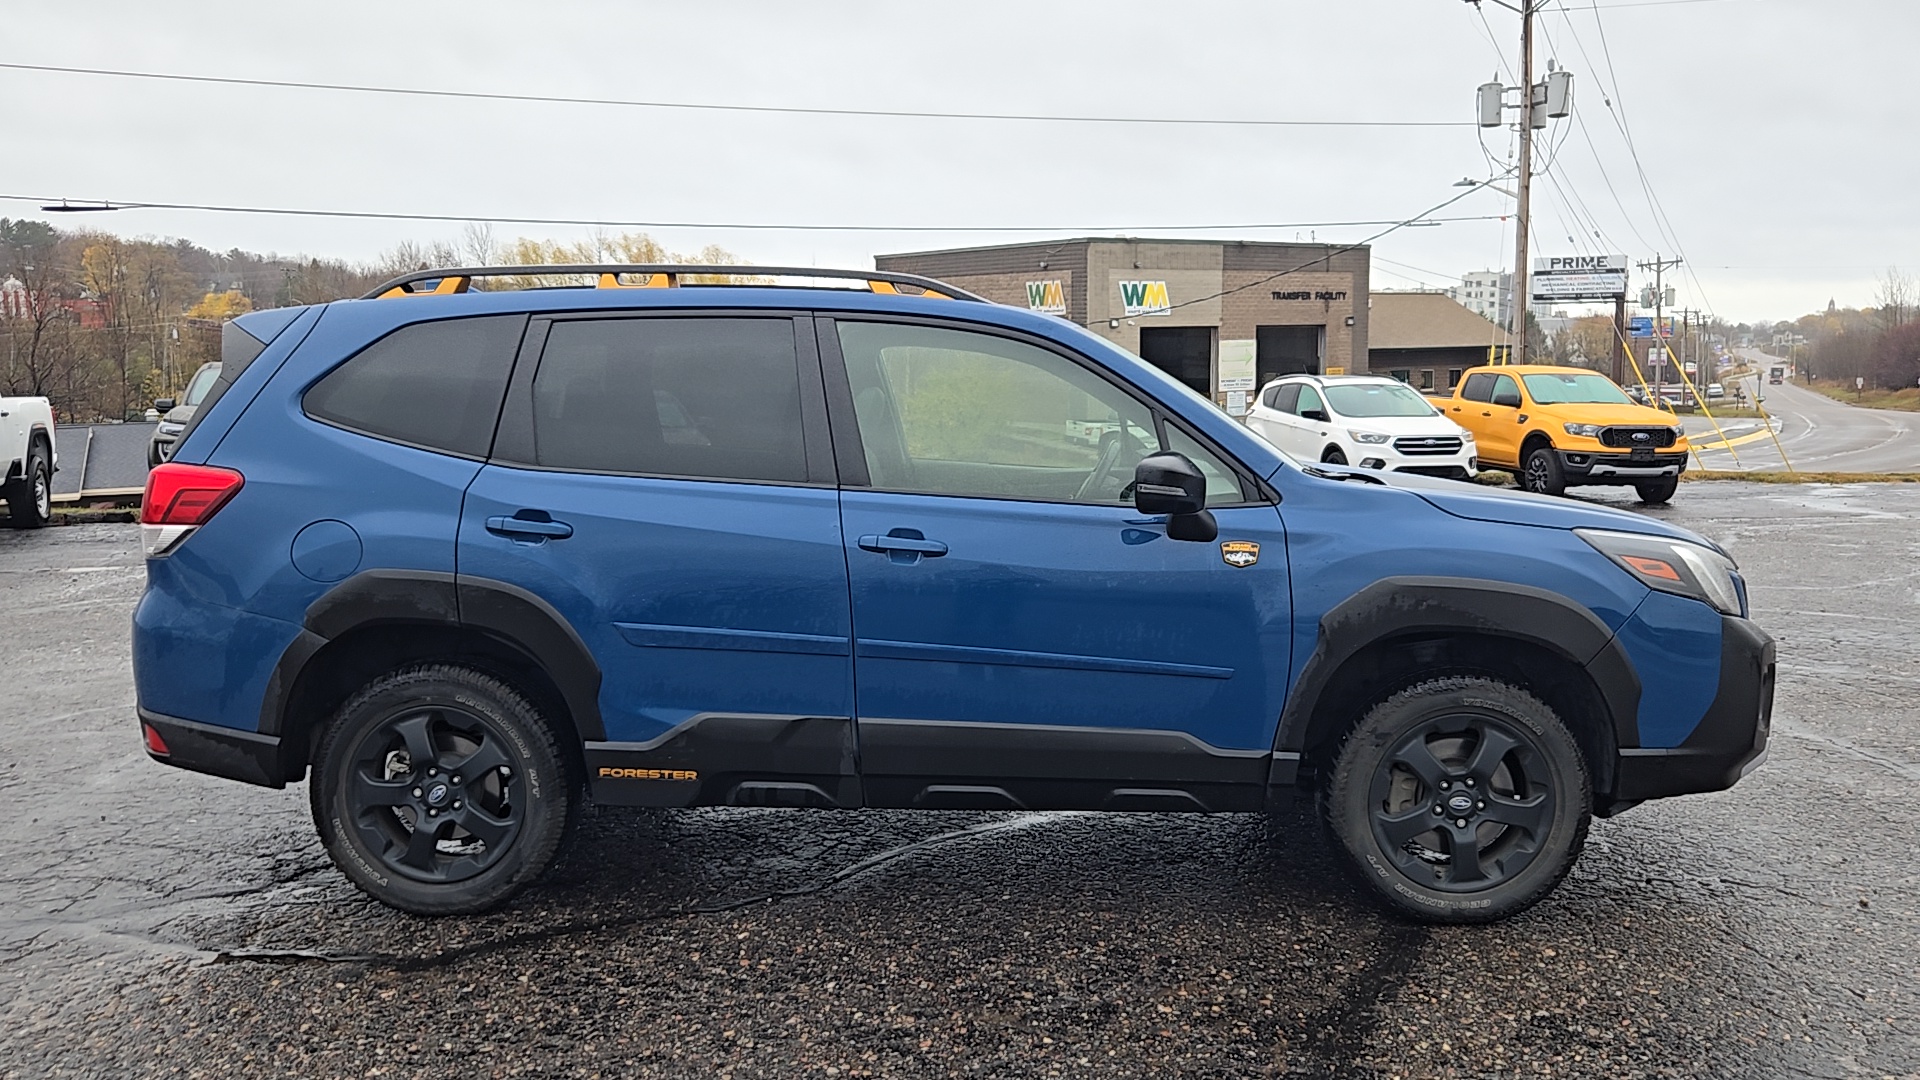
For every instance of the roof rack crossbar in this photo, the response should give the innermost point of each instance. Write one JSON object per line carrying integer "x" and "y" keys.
{"x": 662, "y": 275}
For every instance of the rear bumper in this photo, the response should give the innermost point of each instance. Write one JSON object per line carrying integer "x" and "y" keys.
{"x": 1731, "y": 739}
{"x": 216, "y": 751}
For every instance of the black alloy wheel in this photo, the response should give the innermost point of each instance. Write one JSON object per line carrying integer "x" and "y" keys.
{"x": 1461, "y": 799}
{"x": 1541, "y": 472}
{"x": 439, "y": 790}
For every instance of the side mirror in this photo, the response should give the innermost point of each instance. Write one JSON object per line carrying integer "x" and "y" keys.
{"x": 1318, "y": 415}
{"x": 1169, "y": 483}
{"x": 164, "y": 404}
{"x": 1510, "y": 400}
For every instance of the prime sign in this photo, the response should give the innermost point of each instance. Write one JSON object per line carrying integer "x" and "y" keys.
{"x": 1579, "y": 277}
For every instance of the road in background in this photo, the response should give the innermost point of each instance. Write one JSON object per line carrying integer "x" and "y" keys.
{"x": 1817, "y": 433}
{"x": 158, "y": 922}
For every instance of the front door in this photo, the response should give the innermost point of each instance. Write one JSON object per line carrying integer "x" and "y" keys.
{"x": 1023, "y": 636}
{"x": 665, "y": 485}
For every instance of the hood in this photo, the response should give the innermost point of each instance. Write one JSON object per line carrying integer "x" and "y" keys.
{"x": 1400, "y": 425}
{"x": 179, "y": 414}
{"x": 1508, "y": 507}
{"x": 1638, "y": 415}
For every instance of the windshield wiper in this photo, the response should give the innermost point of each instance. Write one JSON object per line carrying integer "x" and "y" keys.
{"x": 1362, "y": 477}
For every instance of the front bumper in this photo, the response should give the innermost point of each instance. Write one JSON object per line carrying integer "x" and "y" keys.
{"x": 1463, "y": 465}
{"x": 1730, "y": 740}
{"x": 1613, "y": 467}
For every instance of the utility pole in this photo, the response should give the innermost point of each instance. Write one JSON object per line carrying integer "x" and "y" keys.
{"x": 1552, "y": 97}
{"x": 1523, "y": 216}
{"x": 1657, "y": 298}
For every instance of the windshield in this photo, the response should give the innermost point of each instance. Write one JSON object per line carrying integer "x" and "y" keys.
{"x": 202, "y": 380}
{"x": 1377, "y": 399}
{"x": 1571, "y": 388}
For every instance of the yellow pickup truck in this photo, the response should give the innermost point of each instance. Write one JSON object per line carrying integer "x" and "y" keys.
{"x": 1555, "y": 427}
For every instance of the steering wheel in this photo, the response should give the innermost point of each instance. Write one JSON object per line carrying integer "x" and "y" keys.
{"x": 1109, "y": 456}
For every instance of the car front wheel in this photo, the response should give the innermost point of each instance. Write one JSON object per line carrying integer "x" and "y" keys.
{"x": 1541, "y": 472}
{"x": 1459, "y": 800}
{"x": 440, "y": 790}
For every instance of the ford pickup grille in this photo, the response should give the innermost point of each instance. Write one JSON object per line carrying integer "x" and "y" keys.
{"x": 1628, "y": 438}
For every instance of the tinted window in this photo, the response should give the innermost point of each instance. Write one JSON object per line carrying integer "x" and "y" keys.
{"x": 436, "y": 385}
{"x": 715, "y": 398}
{"x": 1479, "y": 387}
{"x": 950, "y": 412}
{"x": 1285, "y": 396}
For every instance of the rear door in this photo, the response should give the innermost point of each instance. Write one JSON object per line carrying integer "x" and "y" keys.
{"x": 1272, "y": 416}
{"x": 1023, "y": 636}
{"x": 665, "y": 483}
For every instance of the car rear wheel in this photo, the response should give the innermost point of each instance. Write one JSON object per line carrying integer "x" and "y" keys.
{"x": 1654, "y": 492}
{"x": 1541, "y": 473}
{"x": 30, "y": 499}
{"x": 440, "y": 790}
{"x": 1459, "y": 800}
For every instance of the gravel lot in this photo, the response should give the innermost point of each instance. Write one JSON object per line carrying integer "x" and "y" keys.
{"x": 154, "y": 922}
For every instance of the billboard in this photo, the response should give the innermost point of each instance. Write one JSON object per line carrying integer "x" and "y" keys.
{"x": 1570, "y": 278}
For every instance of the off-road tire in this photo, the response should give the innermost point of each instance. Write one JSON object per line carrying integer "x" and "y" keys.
{"x": 1655, "y": 492}
{"x": 30, "y": 499}
{"x": 1550, "y": 760}
{"x": 1541, "y": 474}
{"x": 538, "y": 786}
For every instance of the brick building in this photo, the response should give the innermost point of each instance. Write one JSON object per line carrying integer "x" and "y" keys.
{"x": 1221, "y": 316}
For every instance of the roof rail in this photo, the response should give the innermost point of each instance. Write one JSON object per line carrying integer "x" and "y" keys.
{"x": 660, "y": 276}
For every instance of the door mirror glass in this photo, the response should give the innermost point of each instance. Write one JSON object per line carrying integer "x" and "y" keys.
{"x": 1169, "y": 483}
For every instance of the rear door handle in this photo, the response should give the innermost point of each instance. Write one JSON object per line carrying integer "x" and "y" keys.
{"x": 875, "y": 542}
{"x": 518, "y": 526}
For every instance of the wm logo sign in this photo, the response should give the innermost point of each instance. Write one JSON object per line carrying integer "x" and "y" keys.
{"x": 1047, "y": 297}
{"x": 1144, "y": 297}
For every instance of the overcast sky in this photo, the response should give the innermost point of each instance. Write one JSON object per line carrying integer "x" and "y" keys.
{"x": 1776, "y": 134}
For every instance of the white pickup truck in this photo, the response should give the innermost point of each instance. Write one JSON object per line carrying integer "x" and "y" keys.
{"x": 27, "y": 460}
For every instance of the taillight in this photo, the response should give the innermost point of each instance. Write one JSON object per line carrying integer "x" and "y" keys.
{"x": 155, "y": 744}
{"x": 181, "y": 498}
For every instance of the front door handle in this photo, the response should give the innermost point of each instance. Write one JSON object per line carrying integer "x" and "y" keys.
{"x": 915, "y": 545}
{"x": 543, "y": 528}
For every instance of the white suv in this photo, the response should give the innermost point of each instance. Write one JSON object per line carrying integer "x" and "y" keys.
{"x": 1366, "y": 420}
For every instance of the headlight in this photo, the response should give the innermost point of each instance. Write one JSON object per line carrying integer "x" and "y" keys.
{"x": 171, "y": 429}
{"x": 1371, "y": 438}
{"x": 1679, "y": 432}
{"x": 1591, "y": 431}
{"x": 1674, "y": 566}
{"x": 1466, "y": 435}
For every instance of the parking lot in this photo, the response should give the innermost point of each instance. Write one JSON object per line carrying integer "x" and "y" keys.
{"x": 157, "y": 922}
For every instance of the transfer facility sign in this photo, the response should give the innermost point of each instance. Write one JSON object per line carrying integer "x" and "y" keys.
{"x": 1579, "y": 277}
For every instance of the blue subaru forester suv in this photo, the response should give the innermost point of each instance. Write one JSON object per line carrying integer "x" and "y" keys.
{"x": 473, "y": 554}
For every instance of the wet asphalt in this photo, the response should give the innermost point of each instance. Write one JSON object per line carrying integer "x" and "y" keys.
{"x": 155, "y": 922}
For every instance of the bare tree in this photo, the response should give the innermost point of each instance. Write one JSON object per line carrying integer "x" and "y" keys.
{"x": 1895, "y": 299}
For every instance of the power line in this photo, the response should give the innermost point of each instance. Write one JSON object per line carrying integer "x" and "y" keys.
{"x": 99, "y": 204}
{"x": 559, "y": 99}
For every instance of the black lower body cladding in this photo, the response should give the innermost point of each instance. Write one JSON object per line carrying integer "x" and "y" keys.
{"x": 1731, "y": 738}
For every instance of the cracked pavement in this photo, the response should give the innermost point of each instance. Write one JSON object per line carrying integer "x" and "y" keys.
{"x": 158, "y": 922}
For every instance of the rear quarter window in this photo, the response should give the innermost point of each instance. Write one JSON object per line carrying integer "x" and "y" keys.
{"x": 435, "y": 385}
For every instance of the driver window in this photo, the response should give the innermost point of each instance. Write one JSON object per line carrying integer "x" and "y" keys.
{"x": 951, "y": 412}
{"x": 1505, "y": 389}
{"x": 1310, "y": 401}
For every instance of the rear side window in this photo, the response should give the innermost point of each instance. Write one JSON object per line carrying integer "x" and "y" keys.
{"x": 1479, "y": 387}
{"x": 714, "y": 398}
{"x": 435, "y": 385}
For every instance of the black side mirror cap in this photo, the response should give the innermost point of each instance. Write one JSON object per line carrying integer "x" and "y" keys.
{"x": 164, "y": 404}
{"x": 1169, "y": 483}
{"x": 1200, "y": 526}
{"x": 1316, "y": 415}
{"x": 1511, "y": 401}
